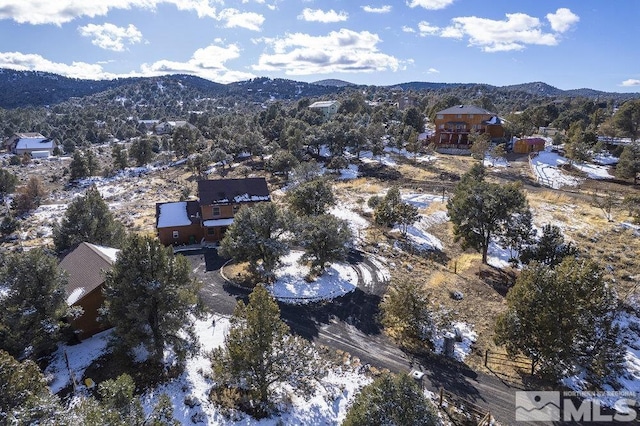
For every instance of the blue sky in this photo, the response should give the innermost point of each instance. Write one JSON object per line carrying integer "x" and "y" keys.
{"x": 568, "y": 44}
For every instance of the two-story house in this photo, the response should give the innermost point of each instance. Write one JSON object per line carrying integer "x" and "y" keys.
{"x": 328, "y": 108}
{"x": 33, "y": 144}
{"x": 453, "y": 125}
{"x": 206, "y": 220}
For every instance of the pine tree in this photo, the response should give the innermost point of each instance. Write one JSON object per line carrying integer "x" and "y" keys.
{"x": 481, "y": 211}
{"x": 259, "y": 353}
{"x": 162, "y": 414}
{"x": 8, "y": 182}
{"x": 628, "y": 166}
{"x": 256, "y": 236}
{"x": 25, "y": 397}
{"x": 325, "y": 239}
{"x": 391, "y": 400}
{"x": 151, "y": 298}
{"x": 405, "y": 313}
{"x": 118, "y": 396}
{"x": 550, "y": 249}
{"x": 386, "y": 213}
{"x": 88, "y": 219}
{"x": 563, "y": 318}
{"x": 311, "y": 198}
{"x": 119, "y": 156}
{"x": 79, "y": 166}
{"x": 31, "y": 313}
{"x": 141, "y": 150}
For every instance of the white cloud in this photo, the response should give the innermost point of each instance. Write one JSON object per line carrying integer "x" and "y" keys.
{"x": 318, "y": 15}
{"x": 433, "y": 71}
{"x": 427, "y": 29}
{"x": 632, "y": 82}
{"x": 110, "y": 37}
{"x": 207, "y": 62}
{"x": 562, "y": 20}
{"x": 382, "y": 9}
{"x": 234, "y": 18}
{"x": 340, "y": 51}
{"x": 33, "y": 62}
{"x": 514, "y": 33}
{"x": 430, "y": 4}
{"x": 407, "y": 29}
{"x": 58, "y": 12}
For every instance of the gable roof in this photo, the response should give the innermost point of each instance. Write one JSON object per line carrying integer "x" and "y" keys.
{"x": 35, "y": 143}
{"x": 86, "y": 265}
{"x": 465, "y": 109}
{"x": 322, "y": 104}
{"x": 225, "y": 191}
{"x": 180, "y": 213}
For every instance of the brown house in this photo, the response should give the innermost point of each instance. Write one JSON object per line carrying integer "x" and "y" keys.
{"x": 206, "y": 220}
{"x": 86, "y": 266}
{"x": 527, "y": 145}
{"x": 453, "y": 125}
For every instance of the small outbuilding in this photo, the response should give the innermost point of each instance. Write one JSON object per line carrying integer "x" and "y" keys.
{"x": 527, "y": 145}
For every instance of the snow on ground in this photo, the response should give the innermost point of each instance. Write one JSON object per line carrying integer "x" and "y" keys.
{"x": 419, "y": 237}
{"x": 421, "y": 201}
{"x": 357, "y": 223}
{"x": 594, "y": 171}
{"x": 490, "y": 161}
{"x": 546, "y": 167}
{"x": 189, "y": 391}
{"x": 604, "y": 158}
{"x": 463, "y": 335}
{"x": 291, "y": 286}
{"x": 45, "y": 215}
{"x": 499, "y": 256}
{"x": 80, "y": 357}
{"x": 629, "y": 383}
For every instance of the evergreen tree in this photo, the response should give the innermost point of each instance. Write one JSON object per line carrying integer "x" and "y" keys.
{"x": 386, "y": 211}
{"x": 259, "y": 353}
{"x": 405, "y": 313}
{"x": 481, "y": 211}
{"x": 325, "y": 239}
{"x": 88, "y": 219}
{"x": 311, "y": 198}
{"x": 256, "y": 236}
{"x": 627, "y": 119}
{"x": 151, "y": 297}
{"x": 282, "y": 162}
{"x": 406, "y": 215}
{"x": 628, "y": 166}
{"x": 79, "y": 166}
{"x": 32, "y": 310}
{"x": 564, "y": 320}
{"x": 391, "y": 400}
{"x": 8, "y": 182}
{"x": 141, "y": 150}
{"x": 118, "y": 396}
{"x": 162, "y": 414}
{"x": 550, "y": 249}
{"x": 119, "y": 156}
{"x": 480, "y": 144}
{"x": 25, "y": 397}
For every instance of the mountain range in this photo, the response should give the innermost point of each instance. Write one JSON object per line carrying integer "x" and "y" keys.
{"x": 35, "y": 88}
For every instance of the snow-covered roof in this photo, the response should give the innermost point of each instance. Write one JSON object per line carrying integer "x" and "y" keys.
{"x": 218, "y": 222}
{"x": 35, "y": 143}
{"x": 173, "y": 214}
{"x": 224, "y": 191}
{"x": 323, "y": 104}
{"x": 110, "y": 252}
{"x": 465, "y": 109}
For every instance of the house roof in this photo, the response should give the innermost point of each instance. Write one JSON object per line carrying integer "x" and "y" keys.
{"x": 531, "y": 141}
{"x": 465, "y": 109}
{"x": 28, "y": 135}
{"x": 180, "y": 213}
{"x": 322, "y": 104}
{"x": 226, "y": 191}
{"x": 35, "y": 143}
{"x": 86, "y": 266}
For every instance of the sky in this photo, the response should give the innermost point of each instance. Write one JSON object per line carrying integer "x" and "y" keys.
{"x": 569, "y": 44}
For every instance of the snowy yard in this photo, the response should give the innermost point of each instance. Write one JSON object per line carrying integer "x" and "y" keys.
{"x": 547, "y": 168}
{"x": 189, "y": 392}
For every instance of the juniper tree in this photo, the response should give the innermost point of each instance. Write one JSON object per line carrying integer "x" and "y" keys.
{"x": 260, "y": 353}
{"x": 405, "y": 313}
{"x": 391, "y": 400}
{"x": 88, "y": 219}
{"x": 8, "y": 182}
{"x": 30, "y": 196}
{"x": 119, "y": 156}
{"x": 151, "y": 299}
{"x": 25, "y": 397}
{"x": 550, "y": 249}
{"x": 256, "y": 236}
{"x": 481, "y": 211}
{"x": 628, "y": 166}
{"x": 32, "y": 311}
{"x": 563, "y": 318}
{"x": 311, "y": 198}
{"x": 324, "y": 239}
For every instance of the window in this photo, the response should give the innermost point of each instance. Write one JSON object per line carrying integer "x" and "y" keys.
{"x": 176, "y": 235}
{"x": 211, "y": 231}
{"x": 458, "y": 115}
{"x": 216, "y": 211}
{"x": 470, "y": 115}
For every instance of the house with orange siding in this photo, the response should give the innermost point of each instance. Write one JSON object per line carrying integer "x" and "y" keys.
{"x": 455, "y": 124}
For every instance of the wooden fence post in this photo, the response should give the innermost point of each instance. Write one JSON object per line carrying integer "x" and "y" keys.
{"x": 486, "y": 358}
{"x": 441, "y": 397}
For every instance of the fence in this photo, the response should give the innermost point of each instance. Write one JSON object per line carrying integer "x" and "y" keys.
{"x": 516, "y": 361}
{"x": 449, "y": 400}
{"x": 543, "y": 180}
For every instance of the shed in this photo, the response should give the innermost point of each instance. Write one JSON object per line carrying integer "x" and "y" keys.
{"x": 527, "y": 145}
